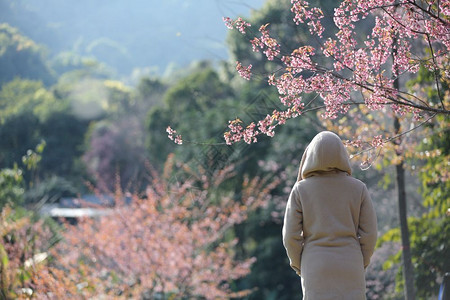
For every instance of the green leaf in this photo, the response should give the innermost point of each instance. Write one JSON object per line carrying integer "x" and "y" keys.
{"x": 3, "y": 258}
{"x": 392, "y": 235}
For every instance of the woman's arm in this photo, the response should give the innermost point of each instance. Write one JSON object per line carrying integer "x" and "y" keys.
{"x": 293, "y": 230}
{"x": 367, "y": 229}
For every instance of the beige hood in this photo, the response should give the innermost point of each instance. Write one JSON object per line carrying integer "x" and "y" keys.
{"x": 325, "y": 153}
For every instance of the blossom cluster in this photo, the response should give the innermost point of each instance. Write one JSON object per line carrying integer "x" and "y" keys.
{"x": 269, "y": 46}
{"x": 377, "y": 141}
{"x": 238, "y": 132}
{"x": 239, "y": 24}
{"x": 244, "y": 72}
{"x": 299, "y": 60}
{"x": 357, "y": 143}
{"x": 172, "y": 134}
{"x": 303, "y": 13}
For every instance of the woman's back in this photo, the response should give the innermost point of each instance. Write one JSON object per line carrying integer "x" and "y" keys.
{"x": 331, "y": 205}
{"x": 329, "y": 228}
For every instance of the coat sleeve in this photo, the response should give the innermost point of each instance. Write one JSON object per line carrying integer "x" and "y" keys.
{"x": 293, "y": 230}
{"x": 367, "y": 229}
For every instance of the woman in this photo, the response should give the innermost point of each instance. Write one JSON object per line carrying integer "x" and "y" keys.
{"x": 330, "y": 226}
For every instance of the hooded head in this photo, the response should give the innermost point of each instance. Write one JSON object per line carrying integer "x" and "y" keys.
{"x": 325, "y": 153}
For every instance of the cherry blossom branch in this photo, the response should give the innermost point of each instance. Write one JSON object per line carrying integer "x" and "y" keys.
{"x": 403, "y": 25}
{"x": 406, "y": 103}
{"x": 324, "y": 70}
{"x": 413, "y": 105}
{"x": 413, "y": 3}
{"x": 395, "y": 136}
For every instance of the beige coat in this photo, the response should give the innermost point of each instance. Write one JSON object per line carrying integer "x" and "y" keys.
{"x": 330, "y": 226}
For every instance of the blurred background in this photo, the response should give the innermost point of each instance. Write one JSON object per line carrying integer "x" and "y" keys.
{"x": 88, "y": 89}
{"x": 136, "y": 38}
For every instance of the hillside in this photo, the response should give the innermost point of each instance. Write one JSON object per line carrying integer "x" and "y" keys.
{"x": 148, "y": 35}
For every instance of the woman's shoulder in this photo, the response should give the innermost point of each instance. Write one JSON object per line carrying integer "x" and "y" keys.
{"x": 355, "y": 180}
{"x": 343, "y": 178}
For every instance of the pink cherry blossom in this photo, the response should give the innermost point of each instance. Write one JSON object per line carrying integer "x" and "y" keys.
{"x": 239, "y": 24}
{"x": 393, "y": 50}
{"x": 377, "y": 141}
{"x": 172, "y": 134}
{"x": 244, "y": 72}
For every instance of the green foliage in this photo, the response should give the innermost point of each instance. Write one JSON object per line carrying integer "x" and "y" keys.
{"x": 18, "y": 134}
{"x": 5, "y": 292}
{"x": 425, "y": 83}
{"x": 64, "y": 136}
{"x": 20, "y": 97}
{"x": 394, "y": 259}
{"x": 261, "y": 239}
{"x": 11, "y": 187}
{"x": 24, "y": 106}
{"x": 31, "y": 161}
{"x": 429, "y": 234}
{"x": 21, "y": 57}
{"x": 434, "y": 175}
{"x": 431, "y": 252}
{"x": 33, "y": 158}
{"x": 200, "y": 90}
{"x": 86, "y": 68}
{"x": 31, "y": 115}
{"x": 66, "y": 62}
{"x": 149, "y": 87}
{"x": 392, "y": 235}
{"x": 120, "y": 100}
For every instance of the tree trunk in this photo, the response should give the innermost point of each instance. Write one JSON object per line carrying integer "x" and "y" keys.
{"x": 408, "y": 272}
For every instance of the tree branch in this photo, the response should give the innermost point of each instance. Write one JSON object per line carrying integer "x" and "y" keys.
{"x": 445, "y": 23}
{"x": 436, "y": 74}
{"x": 395, "y": 136}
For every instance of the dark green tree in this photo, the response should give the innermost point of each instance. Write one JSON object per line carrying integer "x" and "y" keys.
{"x": 18, "y": 134}
{"x": 197, "y": 106}
{"x": 64, "y": 137}
{"x": 31, "y": 114}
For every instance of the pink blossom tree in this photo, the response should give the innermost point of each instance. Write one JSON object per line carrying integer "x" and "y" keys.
{"x": 174, "y": 241}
